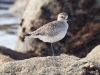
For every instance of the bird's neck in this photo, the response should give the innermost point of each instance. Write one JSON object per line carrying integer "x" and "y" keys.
{"x": 62, "y": 20}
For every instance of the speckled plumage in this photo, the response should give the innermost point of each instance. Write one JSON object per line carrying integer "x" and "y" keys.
{"x": 52, "y": 31}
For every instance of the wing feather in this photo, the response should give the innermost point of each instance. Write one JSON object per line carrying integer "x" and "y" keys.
{"x": 50, "y": 29}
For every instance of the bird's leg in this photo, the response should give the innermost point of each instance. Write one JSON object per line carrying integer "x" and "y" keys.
{"x": 52, "y": 49}
{"x": 53, "y": 58}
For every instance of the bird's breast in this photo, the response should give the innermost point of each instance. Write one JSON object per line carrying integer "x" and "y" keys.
{"x": 55, "y": 38}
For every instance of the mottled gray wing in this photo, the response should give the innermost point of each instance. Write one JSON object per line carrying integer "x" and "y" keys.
{"x": 50, "y": 29}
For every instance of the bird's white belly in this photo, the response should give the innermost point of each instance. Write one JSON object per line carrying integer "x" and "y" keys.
{"x": 52, "y": 39}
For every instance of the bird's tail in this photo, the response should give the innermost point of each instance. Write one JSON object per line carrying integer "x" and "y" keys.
{"x": 30, "y": 36}
{"x": 27, "y": 36}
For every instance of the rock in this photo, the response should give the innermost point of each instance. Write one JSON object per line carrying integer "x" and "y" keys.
{"x": 52, "y": 65}
{"x": 4, "y": 59}
{"x": 94, "y": 55}
{"x": 84, "y": 40}
{"x": 11, "y": 54}
{"x": 19, "y": 7}
{"x": 57, "y": 65}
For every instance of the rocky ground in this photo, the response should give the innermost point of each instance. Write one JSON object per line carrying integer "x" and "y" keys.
{"x": 51, "y": 65}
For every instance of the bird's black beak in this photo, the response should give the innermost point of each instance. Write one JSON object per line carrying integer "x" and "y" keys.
{"x": 69, "y": 20}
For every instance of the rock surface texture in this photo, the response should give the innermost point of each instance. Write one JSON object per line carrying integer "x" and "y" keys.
{"x": 83, "y": 33}
{"x": 19, "y": 7}
{"x": 94, "y": 54}
{"x": 54, "y": 65}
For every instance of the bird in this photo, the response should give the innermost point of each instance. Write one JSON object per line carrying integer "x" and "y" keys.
{"x": 53, "y": 31}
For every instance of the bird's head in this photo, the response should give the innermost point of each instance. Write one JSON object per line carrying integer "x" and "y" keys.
{"x": 62, "y": 17}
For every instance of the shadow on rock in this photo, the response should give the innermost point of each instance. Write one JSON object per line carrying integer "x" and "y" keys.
{"x": 13, "y": 54}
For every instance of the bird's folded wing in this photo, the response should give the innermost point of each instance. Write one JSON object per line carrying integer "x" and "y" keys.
{"x": 50, "y": 29}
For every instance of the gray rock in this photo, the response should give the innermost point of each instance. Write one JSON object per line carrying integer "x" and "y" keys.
{"x": 54, "y": 65}
{"x": 4, "y": 59}
{"x": 18, "y": 7}
{"x": 57, "y": 65}
{"x": 94, "y": 55}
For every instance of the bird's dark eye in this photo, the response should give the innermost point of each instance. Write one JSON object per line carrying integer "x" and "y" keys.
{"x": 62, "y": 17}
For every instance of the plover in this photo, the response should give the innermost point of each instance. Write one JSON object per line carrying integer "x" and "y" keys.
{"x": 52, "y": 31}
